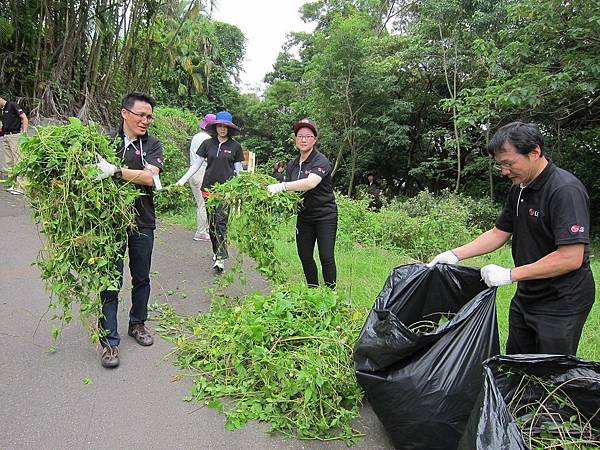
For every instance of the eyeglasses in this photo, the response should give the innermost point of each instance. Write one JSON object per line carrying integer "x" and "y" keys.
{"x": 506, "y": 165}
{"x": 148, "y": 117}
{"x": 307, "y": 137}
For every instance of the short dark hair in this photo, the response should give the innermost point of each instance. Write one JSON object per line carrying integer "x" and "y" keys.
{"x": 524, "y": 136}
{"x": 133, "y": 97}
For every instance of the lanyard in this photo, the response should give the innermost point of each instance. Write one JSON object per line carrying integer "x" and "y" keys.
{"x": 141, "y": 150}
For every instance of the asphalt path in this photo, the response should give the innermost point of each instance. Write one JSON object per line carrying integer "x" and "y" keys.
{"x": 66, "y": 400}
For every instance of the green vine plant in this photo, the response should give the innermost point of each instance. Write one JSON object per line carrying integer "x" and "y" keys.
{"x": 255, "y": 218}
{"x": 85, "y": 221}
{"x": 283, "y": 358}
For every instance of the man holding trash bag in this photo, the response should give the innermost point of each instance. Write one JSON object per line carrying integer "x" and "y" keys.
{"x": 547, "y": 214}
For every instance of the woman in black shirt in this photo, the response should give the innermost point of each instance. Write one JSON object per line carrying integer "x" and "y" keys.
{"x": 310, "y": 173}
{"x": 224, "y": 157}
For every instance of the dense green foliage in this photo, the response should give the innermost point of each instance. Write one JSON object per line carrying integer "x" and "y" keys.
{"x": 419, "y": 227}
{"x": 174, "y": 128}
{"x": 413, "y": 90}
{"x": 85, "y": 221}
{"x": 80, "y": 57}
{"x": 255, "y": 217}
{"x": 285, "y": 358}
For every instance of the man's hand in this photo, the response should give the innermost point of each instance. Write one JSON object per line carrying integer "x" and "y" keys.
{"x": 105, "y": 169}
{"x": 275, "y": 188}
{"x": 494, "y": 275}
{"x": 448, "y": 257}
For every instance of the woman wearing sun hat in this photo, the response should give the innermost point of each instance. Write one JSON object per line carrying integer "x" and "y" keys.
{"x": 310, "y": 173}
{"x": 224, "y": 158}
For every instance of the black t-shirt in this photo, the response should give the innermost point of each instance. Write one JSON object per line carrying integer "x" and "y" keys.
{"x": 220, "y": 160}
{"x": 11, "y": 120}
{"x": 146, "y": 149}
{"x": 318, "y": 203}
{"x": 552, "y": 210}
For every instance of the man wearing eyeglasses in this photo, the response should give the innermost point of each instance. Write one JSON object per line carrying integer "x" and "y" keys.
{"x": 547, "y": 214}
{"x": 142, "y": 161}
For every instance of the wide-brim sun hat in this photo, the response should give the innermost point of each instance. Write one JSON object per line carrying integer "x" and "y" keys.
{"x": 207, "y": 120}
{"x": 223, "y": 118}
{"x": 305, "y": 123}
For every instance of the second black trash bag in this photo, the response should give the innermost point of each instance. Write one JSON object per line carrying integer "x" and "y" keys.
{"x": 536, "y": 401}
{"x": 419, "y": 355}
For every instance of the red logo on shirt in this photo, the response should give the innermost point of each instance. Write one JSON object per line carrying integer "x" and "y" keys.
{"x": 533, "y": 212}
{"x": 137, "y": 152}
{"x": 577, "y": 228}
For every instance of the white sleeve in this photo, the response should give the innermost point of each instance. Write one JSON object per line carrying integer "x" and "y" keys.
{"x": 237, "y": 167}
{"x": 191, "y": 171}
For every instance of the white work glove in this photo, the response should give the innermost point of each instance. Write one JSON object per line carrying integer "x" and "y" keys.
{"x": 494, "y": 275}
{"x": 105, "y": 169}
{"x": 448, "y": 257}
{"x": 275, "y": 188}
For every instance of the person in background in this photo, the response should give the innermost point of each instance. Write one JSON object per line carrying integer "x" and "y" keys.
{"x": 310, "y": 173}
{"x": 374, "y": 192}
{"x": 196, "y": 180}
{"x": 14, "y": 122}
{"x": 547, "y": 214}
{"x": 279, "y": 171}
{"x": 224, "y": 157}
{"x": 142, "y": 158}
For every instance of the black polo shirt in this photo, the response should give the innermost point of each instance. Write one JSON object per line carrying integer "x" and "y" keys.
{"x": 220, "y": 160}
{"x": 318, "y": 203}
{"x": 146, "y": 149}
{"x": 552, "y": 210}
{"x": 11, "y": 117}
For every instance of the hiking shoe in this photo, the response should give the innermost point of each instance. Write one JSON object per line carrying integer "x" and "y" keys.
{"x": 140, "y": 333}
{"x": 219, "y": 266}
{"x": 110, "y": 357}
{"x": 201, "y": 237}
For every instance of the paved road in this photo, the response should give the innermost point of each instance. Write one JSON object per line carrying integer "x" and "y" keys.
{"x": 44, "y": 403}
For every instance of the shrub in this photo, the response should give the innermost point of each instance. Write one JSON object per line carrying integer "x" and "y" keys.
{"x": 420, "y": 227}
{"x": 175, "y": 129}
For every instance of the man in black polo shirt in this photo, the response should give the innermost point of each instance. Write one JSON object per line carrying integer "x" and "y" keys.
{"x": 142, "y": 158}
{"x": 14, "y": 122}
{"x": 547, "y": 214}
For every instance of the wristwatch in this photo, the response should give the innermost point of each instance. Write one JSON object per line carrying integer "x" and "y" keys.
{"x": 118, "y": 173}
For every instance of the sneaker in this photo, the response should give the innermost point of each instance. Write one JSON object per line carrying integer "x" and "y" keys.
{"x": 110, "y": 357}
{"x": 16, "y": 191}
{"x": 201, "y": 237}
{"x": 219, "y": 266}
{"x": 10, "y": 189}
{"x": 140, "y": 333}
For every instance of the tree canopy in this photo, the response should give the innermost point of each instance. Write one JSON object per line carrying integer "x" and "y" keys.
{"x": 410, "y": 90}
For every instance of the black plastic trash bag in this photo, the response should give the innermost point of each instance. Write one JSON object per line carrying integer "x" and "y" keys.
{"x": 523, "y": 384}
{"x": 423, "y": 385}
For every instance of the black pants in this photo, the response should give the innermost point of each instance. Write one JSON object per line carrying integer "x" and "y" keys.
{"x": 140, "y": 244}
{"x": 323, "y": 232}
{"x": 217, "y": 229}
{"x": 543, "y": 333}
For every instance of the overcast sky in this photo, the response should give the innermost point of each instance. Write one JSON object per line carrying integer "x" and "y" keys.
{"x": 265, "y": 24}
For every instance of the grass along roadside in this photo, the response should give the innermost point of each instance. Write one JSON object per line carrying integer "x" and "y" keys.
{"x": 362, "y": 271}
